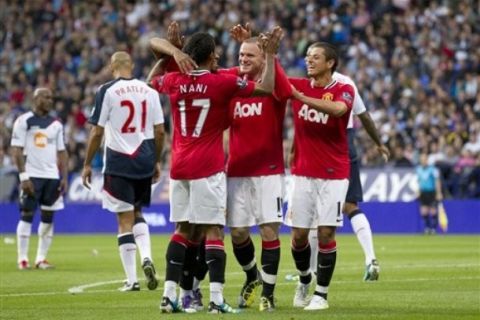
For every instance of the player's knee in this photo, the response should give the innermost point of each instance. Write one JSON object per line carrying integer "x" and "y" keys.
{"x": 299, "y": 237}
{"x": 349, "y": 208}
{"x": 269, "y": 231}
{"x": 214, "y": 233}
{"x": 239, "y": 235}
{"x": 326, "y": 235}
{"x": 46, "y": 217}
{"x": 27, "y": 216}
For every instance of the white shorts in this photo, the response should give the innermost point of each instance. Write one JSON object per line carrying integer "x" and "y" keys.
{"x": 255, "y": 200}
{"x": 199, "y": 201}
{"x": 316, "y": 202}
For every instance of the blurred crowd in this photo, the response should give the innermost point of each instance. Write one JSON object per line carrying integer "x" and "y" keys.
{"x": 416, "y": 64}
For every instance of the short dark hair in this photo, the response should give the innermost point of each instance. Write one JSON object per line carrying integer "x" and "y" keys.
{"x": 330, "y": 51}
{"x": 200, "y": 46}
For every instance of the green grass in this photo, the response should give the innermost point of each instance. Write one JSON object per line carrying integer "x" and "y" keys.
{"x": 422, "y": 277}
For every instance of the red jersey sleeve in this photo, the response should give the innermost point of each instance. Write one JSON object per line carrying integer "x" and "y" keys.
{"x": 282, "y": 90}
{"x": 240, "y": 87}
{"x": 346, "y": 95}
{"x": 159, "y": 83}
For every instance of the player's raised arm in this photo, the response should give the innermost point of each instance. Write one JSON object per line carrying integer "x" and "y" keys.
{"x": 269, "y": 44}
{"x": 185, "y": 62}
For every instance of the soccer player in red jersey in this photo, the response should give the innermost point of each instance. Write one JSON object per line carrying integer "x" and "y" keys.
{"x": 320, "y": 168}
{"x": 199, "y": 101}
{"x": 255, "y": 171}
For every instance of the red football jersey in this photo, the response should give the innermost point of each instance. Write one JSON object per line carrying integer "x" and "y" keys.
{"x": 256, "y": 131}
{"x": 199, "y": 103}
{"x": 321, "y": 143}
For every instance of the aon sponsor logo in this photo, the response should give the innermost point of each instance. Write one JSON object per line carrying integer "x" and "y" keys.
{"x": 312, "y": 115}
{"x": 247, "y": 110}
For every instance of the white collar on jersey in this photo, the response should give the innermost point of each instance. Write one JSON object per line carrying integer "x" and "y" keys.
{"x": 198, "y": 72}
{"x": 328, "y": 86}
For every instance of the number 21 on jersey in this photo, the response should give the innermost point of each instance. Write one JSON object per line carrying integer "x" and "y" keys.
{"x": 198, "y": 103}
{"x": 127, "y": 126}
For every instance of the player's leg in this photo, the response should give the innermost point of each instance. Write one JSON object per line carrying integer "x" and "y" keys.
{"x": 330, "y": 197}
{"x": 187, "y": 295}
{"x": 200, "y": 271}
{"x": 50, "y": 201}
{"x": 141, "y": 232}
{"x": 301, "y": 215}
{"x": 28, "y": 204}
{"x": 425, "y": 212}
{"x": 327, "y": 257}
{"x": 239, "y": 219}
{"x": 180, "y": 210}
{"x": 433, "y": 217}
{"x": 45, "y": 237}
{"x": 118, "y": 196}
{"x": 313, "y": 240}
{"x": 270, "y": 193}
{"x": 270, "y": 261}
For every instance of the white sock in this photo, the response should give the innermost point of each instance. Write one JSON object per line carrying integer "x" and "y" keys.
{"x": 142, "y": 239}
{"x": 216, "y": 293}
{"x": 45, "y": 236}
{"x": 321, "y": 289}
{"x": 184, "y": 293}
{"x": 128, "y": 255}
{"x": 361, "y": 227}
{"x": 24, "y": 229}
{"x": 196, "y": 284}
{"x": 170, "y": 290}
{"x": 313, "y": 239}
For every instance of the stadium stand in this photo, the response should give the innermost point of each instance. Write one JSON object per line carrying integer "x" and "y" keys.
{"x": 416, "y": 63}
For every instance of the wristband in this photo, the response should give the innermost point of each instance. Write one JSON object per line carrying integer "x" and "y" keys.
{"x": 23, "y": 176}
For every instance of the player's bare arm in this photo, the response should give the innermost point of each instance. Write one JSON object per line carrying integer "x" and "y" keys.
{"x": 269, "y": 43}
{"x": 63, "y": 167}
{"x": 184, "y": 61}
{"x": 333, "y": 108}
{"x": 159, "y": 136}
{"x": 19, "y": 158}
{"x": 372, "y": 131}
{"x": 94, "y": 142}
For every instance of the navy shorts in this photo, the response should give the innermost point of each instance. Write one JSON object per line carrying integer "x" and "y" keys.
{"x": 355, "y": 191}
{"x": 133, "y": 191}
{"x": 428, "y": 198}
{"x": 46, "y": 194}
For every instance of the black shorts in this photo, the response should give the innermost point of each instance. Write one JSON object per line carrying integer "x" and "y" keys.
{"x": 355, "y": 191}
{"x": 427, "y": 198}
{"x": 133, "y": 191}
{"x": 46, "y": 194}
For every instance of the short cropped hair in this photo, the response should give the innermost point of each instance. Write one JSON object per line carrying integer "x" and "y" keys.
{"x": 200, "y": 46}
{"x": 330, "y": 51}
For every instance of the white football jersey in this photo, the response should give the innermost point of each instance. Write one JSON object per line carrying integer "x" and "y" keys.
{"x": 128, "y": 109}
{"x": 358, "y": 105}
{"x": 41, "y": 138}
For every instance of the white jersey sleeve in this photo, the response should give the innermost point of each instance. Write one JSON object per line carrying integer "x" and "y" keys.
{"x": 19, "y": 133}
{"x": 358, "y": 104}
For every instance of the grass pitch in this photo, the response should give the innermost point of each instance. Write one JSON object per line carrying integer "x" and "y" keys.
{"x": 422, "y": 277}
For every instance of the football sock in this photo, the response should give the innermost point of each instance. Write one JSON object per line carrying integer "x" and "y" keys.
{"x": 128, "y": 255}
{"x": 301, "y": 256}
{"x": 186, "y": 280}
{"x": 361, "y": 227}
{"x": 142, "y": 238}
{"x": 327, "y": 257}
{"x": 270, "y": 261}
{"x": 45, "y": 237}
{"x": 245, "y": 254}
{"x": 24, "y": 229}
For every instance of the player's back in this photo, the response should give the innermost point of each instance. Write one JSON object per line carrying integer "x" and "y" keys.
{"x": 128, "y": 109}
{"x": 199, "y": 103}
